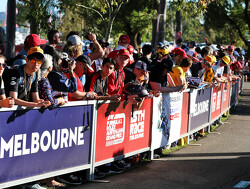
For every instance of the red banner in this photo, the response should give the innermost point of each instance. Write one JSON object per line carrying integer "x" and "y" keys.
{"x": 226, "y": 96}
{"x": 216, "y": 102}
{"x": 120, "y": 130}
{"x": 184, "y": 115}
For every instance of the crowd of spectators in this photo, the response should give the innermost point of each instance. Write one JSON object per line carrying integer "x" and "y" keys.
{"x": 41, "y": 75}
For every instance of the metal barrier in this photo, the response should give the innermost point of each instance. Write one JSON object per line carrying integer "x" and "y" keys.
{"x": 37, "y": 144}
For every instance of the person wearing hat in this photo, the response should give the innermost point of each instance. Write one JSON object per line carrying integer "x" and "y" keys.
{"x": 84, "y": 70}
{"x": 4, "y": 102}
{"x": 32, "y": 40}
{"x": 117, "y": 78}
{"x": 162, "y": 53}
{"x": 22, "y": 81}
{"x": 219, "y": 69}
{"x": 198, "y": 69}
{"x": 159, "y": 77}
{"x": 178, "y": 55}
{"x": 208, "y": 63}
{"x": 138, "y": 74}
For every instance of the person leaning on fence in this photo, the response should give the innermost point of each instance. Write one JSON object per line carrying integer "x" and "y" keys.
{"x": 99, "y": 81}
{"x": 219, "y": 69}
{"x": 44, "y": 87}
{"x": 117, "y": 78}
{"x": 4, "y": 102}
{"x": 22, "y": 82}
{"x": 178, "y": 74}
{"x": 159, "y": 77}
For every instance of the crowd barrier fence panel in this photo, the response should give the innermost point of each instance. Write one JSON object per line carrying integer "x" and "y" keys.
{"x": 121, "y": 130}
{"x": 233, "y": 94}
{"x": 200, "y": 106}
{"x": 37, "y": 144}
{"x": 216, "y": 102}
{"x": 226, "y": 97}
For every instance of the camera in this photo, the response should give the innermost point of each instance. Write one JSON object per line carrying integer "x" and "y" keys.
{"x": 66, "y": 64}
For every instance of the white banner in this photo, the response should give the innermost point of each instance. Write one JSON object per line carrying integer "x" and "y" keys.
{"x": 166, "y": 119}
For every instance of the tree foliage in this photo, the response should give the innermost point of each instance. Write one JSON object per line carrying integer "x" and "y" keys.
{"x": 232, "y": 19}
{"x": 36, "y": 13}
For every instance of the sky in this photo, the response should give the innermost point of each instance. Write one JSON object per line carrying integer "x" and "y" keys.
{"x": 3, "y": 5}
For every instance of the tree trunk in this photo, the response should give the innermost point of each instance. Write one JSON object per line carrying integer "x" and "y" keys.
{"x": 161, "y": 22}
{"x": 34, "y": 24}
{"x": 109, "y": 28}
{"x": 11, "y": 28}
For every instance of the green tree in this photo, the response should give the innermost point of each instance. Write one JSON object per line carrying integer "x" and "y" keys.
{"x": 37, "y": 14}
{"x": 232, "y": 18}
{"x": 135, "y": 20}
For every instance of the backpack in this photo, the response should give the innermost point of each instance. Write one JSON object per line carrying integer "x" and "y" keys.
{"x": 11, "y": 61}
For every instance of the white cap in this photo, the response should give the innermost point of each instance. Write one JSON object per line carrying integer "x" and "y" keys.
{"x": 75, "y": 40}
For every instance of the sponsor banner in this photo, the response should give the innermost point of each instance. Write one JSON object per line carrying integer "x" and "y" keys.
{"x": 122, "y": 129}
{"x": 185, "y": 113}
{"x": 225, "y": 96}
{"x": 34, "y": 142}
{"x": 199, "y": 107}
{"x": 166, "y": 123}
{"x": 216, "y": 101}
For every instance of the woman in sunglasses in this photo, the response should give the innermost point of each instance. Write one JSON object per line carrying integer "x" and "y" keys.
{"x": 21, "y": 82}
{"x": 4, "y": 102}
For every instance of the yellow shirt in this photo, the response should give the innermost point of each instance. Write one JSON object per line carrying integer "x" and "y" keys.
{"x": 178, "y": 73}
{"x": 209, "y": 75}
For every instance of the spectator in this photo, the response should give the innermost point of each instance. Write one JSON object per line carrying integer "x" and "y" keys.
{"x": 44, "y": 87}
{"x": 22, "y": 82}
{"x": 54, "y": 39}
{"x": 178, "y": 74}
{"x": 179, "y": 42}
{"x": 208, "y": 64}
{"x": 206, "y": 51}
{"x": 178, "y": 55}
{"x": 162, "y": 53}
{"x": 138, "y": 74}
{"x": 32, "y": 40}
{"x": 64, "y": 79}
{"x": 146, "y": 55}
{"x": 84, "y": 70}
{"x": 73, "y": 46}
{"x": 99, "y": 81}
{"x": 96, "y": 49}
{"x": 159, "y": 77}
{"x": 4, "y": 102}
{"x": 219, "y": 69}
{"x": 116, "y": 79}
{"x": 97, "y": 63}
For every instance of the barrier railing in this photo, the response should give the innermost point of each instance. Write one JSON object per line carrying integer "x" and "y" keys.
{"x": 37, "y": 144}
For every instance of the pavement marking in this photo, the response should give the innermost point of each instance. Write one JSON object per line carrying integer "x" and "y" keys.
{"x": 242, "y": 184}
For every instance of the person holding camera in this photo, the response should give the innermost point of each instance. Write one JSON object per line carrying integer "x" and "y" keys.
{"x": 22, "y": 81}
{"x": 64, "y": 79}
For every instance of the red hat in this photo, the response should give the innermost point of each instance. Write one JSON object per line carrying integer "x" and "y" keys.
{"x": 230, "y": 47}
{"x": 124, "y": 39}
{"x": 180, "y": 52}
{"x": 34, "y": 40}
{"x": 123, "y": 52}
{"x": 112, "y": 54}
{"x": 131, "y": 49}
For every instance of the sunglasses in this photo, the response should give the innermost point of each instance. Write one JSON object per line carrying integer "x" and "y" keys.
{"x": 3, "y": 65}
{"x": 33, "y": 61}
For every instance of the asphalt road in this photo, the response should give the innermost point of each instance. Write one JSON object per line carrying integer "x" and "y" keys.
{"x": 219, "y": 160}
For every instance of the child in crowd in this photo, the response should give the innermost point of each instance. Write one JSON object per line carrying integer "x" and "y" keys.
{"x": 99, "y": 81}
